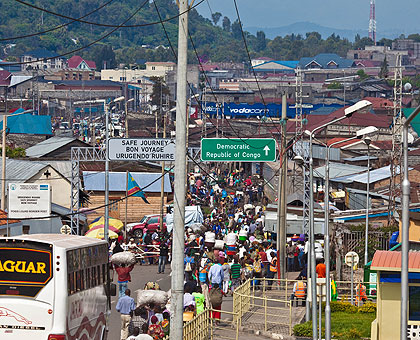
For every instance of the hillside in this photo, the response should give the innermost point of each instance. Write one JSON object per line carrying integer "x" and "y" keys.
{"x": 17, "y": 19}
{"x": 218, "y": 40}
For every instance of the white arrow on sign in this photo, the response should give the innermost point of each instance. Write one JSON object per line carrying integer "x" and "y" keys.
{"x": 266, "y": 149}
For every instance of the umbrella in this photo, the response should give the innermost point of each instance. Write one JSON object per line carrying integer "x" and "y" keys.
{"x": 99, "y": 233}
{"x": 101, "y": 226}
{"x": 112, "y": 222}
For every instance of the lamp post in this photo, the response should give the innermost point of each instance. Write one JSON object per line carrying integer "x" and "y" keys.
{"x": 348, "y": 112}
{"x": 106, "y": 214}
{"x": 367, "y": 142}
{"x": 405, "y": 228}
{"x": 362, "y": 132}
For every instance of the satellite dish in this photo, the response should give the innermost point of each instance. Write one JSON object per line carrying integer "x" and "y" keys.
{"x": 407, "y": 87}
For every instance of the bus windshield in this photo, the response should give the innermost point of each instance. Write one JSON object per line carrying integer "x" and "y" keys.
{"x": 25, "y": 267}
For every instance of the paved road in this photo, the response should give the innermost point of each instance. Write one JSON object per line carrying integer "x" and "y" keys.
{"x": 139, "y": 276}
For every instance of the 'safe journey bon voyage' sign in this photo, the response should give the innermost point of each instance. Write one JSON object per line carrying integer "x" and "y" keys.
{"x": 145, "y": 149}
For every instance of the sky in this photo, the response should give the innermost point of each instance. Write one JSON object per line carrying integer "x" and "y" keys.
{"x": 354, "y": 14}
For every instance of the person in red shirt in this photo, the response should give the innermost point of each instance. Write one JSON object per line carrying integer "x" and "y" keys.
{"x": 123, "y": 277}
{"x": 320, "y": 269}
{"x": 264, "y": 261}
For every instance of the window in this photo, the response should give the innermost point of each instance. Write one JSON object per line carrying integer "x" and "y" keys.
{"x": 153, "y": 68}
{"x": 153, "y": 220}
{"x": 113, "y": 206}
{"x": 25, "y": 229}
{"x": 414, "y": 303}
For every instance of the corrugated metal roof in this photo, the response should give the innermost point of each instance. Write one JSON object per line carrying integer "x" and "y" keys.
{"x": 47, "y": 146}
{"x": 375, "y": 176}
{"x": 360, "y": 158}
{"x": 95, "y": 181}
{"x": 339, "y": 170}
{"x": 18, "y": 171}
{"x": 391, "y": 261}
{"x": 63, "y": 167}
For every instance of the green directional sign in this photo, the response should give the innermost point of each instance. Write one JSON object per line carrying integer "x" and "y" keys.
{"x": 238, "y": 149}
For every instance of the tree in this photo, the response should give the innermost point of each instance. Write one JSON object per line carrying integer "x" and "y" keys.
{"x": 334, "y": 86}
{"x": 362, "y": 74}
{"x": 236, "y": 30}
{"x": 159, "y": 90}
{"x": 383, "y": 73}
{"x": 216, "y": 17}
{"x": 261, "y": 41}
{"x": 226, "y": 24}
{"x": 103, "y": 55}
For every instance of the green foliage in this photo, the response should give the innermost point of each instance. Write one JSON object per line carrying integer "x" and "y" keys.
{"x": 345, "y": 325}
{"x": 335, "y": 86}
{"x": 216, "y": 17}
{"x": 368, "y": 307}
{"x": 303, "y": 329}
{"x": 383, "y": 73}
{"x": 362, "y": 74}
{"x": 217, "y": 38}
{"x": 14, "y": 152}
{"x": 339, "y": 306}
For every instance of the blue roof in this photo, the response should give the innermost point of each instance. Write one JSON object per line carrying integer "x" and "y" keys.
{"x": 323, "y": 60}
{"x": 324, "y": 110}
{"x": 28, "y": 123}
{"x": 286, "y": 63}
{"x": 95, "y": 181}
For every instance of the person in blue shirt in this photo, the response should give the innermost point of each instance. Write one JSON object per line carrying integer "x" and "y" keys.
{"x": 216, "y": 274}
{"x": 125, "y": 306}
{"x": 216, "y": 228}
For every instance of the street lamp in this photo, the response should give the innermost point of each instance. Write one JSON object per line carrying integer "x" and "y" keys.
{"x": 106, "y": 215}
{"x": 405, "y": 228}
{"x": 361, "y": 106}
{"x": 360, "y": 133}
{"x": 367, "y": 141}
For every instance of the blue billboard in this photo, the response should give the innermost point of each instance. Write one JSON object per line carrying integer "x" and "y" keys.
{"x": 244, "y": 110}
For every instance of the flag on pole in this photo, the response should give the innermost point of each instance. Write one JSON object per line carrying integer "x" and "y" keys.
{"x": 134, "y": 189}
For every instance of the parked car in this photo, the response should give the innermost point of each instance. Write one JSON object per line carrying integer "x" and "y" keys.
{"x": 149, "y": 222}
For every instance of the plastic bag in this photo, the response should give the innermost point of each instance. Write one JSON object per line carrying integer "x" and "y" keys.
{"x": 144, "y": 297}
{"x": 125, "y": 257}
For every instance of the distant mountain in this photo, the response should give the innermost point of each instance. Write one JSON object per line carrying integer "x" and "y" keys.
{"x": 303, "y": 27}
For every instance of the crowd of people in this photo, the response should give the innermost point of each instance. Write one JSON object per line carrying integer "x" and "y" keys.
{"x": 229, "y": 247}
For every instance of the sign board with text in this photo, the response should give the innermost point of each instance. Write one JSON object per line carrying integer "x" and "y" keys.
{"x": 141, "y": 149}
{"x": 29, "y": 200}
{"x": 238, "y": 149}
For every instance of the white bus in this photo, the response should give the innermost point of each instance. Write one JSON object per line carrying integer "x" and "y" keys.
{"x": 53, "y": 287}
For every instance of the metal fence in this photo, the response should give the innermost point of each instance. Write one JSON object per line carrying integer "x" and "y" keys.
{"x": 258, "y": 304}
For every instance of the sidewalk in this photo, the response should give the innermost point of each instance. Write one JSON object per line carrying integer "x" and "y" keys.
{"x": 270, "y": 321}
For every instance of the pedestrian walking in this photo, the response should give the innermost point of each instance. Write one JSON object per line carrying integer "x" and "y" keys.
{"x": 123, "y": 277}
{"x": 125, "y": 306}
{"x": 163, "y": 254}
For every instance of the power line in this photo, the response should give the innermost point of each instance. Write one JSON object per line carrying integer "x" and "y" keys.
{"x": 105, "y": 25}
{"x": 101, "y": 38}
{"x": 250, "y": 62}
{"x": 57, "y": 27}
{"x": 92, "y": 209}
{"x": 88, "y": 45}
{"x": 189, "y": 85}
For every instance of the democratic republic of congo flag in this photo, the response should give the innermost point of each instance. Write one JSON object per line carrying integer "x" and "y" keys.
{"x": 134, "y": 190}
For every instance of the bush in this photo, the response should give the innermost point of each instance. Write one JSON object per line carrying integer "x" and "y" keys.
{"x": 303, "y": 329}
{"x": 339, "y": 306}
{"x": 368, "y": 307}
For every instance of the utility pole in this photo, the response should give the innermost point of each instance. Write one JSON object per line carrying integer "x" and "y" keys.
{"x": 282, "y": 201}
{"x": 3, "y": 154}
{"x": 126, "y": 111}
{"x": 162, "y": 181}
{"x": 177, "y": 279}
